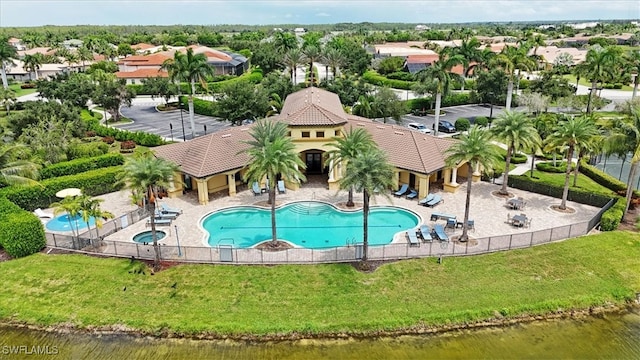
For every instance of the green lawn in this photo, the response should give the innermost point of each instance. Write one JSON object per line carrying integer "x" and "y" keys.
{"x": 584, "y": 182}
{"x": 228, "y": 299}
{"x": 19, "y": 92}
{"x": 585, "y": 82}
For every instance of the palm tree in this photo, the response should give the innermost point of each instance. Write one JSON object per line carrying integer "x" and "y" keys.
{"x": 368, "y": 172}
{"x": 71, "y": 206}
{"x": 439, "y": 73}
{"x": 624, "y": 137}
{"x": 632, "y": 64}
{"x": 599, "y": 63}
{"x": 571, "y": 133}
{"x": 475, "y": 149}
{"x": 32, "y": 63}
{"x": 84, "y": 54}
{"x": 7, "y": 98}
{"x": 189, "y": 67}
{"x": 334, "y": 59}
{"x": 517, "y": 131}
{"x": 591, "y": 146}
{"x": 272, "y": 154}
{"x": 510, "y": 60}
{"x": 91, "y": 208}
{"x": 7, "y": 54}
{"x": 284, "y": 41}
{"x": 147, "y": 173}
{"x": 364, "y": 107}
{"x": 312, "y": 54}
{"x": 347, "y": 148}
{"x": 291, "y": 60}
{"x": 16, "y": 172}
{"x": 470, "y": 52}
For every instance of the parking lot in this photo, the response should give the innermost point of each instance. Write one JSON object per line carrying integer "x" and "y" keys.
{"x": 453, "y": 113}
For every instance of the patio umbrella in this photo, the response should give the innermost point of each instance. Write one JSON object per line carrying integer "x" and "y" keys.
{"x": 68, "y": 192}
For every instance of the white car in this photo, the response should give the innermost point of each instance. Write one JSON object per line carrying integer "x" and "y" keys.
{"x": 419, "y": 127}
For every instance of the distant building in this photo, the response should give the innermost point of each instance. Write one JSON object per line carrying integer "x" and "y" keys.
{"x": 72, "y": 43}
{"x": 299, "y": 31}
{"x": 422, "y": 27}
{"x": 582, "y": 26}
{"x": 16, "y": 43}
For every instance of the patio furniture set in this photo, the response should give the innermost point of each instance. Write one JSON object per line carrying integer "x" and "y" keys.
{"x": 164, "y": 215}
{"x": 257, "y": 190}
{"x": 518, "y": 220}
{"x": 430, "y": 200}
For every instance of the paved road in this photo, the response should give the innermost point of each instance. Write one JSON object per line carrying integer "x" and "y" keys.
{"x": 146, "y": 118}
{"x": 453, "y": 113}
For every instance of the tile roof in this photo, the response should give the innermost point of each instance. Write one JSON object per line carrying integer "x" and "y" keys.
{"x": 422, "y": 59}
{"x": 142, "y": 46}
{"x": 141, "y": 73}
{"x": 312, "y": 107}
{"x": 144, "y": 60}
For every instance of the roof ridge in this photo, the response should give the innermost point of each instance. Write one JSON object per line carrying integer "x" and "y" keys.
{"x": 415, "y": 142}
{"x": 211, "y": 136}
{"x": 323, "y": 109}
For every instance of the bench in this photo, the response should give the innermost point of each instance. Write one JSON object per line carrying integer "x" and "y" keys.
{"x": 441, "y": 216}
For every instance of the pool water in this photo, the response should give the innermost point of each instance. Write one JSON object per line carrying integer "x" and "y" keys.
{"x": 146, "y": 238}
{"x": 309, "y": 224}
{"x": 66, "y": 223}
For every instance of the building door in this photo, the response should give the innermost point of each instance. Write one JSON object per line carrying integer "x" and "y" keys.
{"x": 314, "y": 163}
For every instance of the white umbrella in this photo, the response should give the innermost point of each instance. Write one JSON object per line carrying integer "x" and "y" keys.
{"x": 68, "y": 192}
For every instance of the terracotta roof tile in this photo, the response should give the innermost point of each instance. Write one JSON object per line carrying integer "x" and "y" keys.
{"x": 142, "y": 46}
{"x": 141, "y": 73}
{"x": 144, "y": 60}
{"x": 422, "y": 59}
{"x": 312, "y": 107}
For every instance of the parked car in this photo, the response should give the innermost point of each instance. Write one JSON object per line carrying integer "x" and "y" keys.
{"x": 419, "y": 127}
{"x": 447, "y": 127}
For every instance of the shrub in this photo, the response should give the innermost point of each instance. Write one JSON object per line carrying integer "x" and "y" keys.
{"x": 602, "y": 178}
{"x": 518, "y": 158}
{"x": 482, "y": 121}
{"x": 21, "y": 234}
{"x": 86, "y": 150}
{"x": 93, "y": 182}
{"x": 28, "y": 86}
{"x": 201, "y": 107}
{"x": 462, "y": 124}
{"x": 456, "y": 99}
{"x": 612, "y": 217}
{"x": 81, "y": 165}
{"x": 127, "y": 146}
{"x": 90, "y": 133}
{"x": 374, "y": 78}
{"x": 141, "y": 138}
{"x": 109, "y": 139}
{"x": 523, "y": 182}
{"x": 548, "y": 167}
{"x": 400, "y": 75}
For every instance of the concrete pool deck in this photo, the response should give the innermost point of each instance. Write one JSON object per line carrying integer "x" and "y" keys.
{"x": 488, "y": 211}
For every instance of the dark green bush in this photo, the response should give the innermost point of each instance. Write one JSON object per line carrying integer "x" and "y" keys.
{"x": 201, "y": 107}
{"x": 94, "y": 182}
{"x": 602, "y": 178}
{"x": 372, "y": 77}
{"x": 523, "y": 182}
{"x": 456, "y": 99}
{"x": 612, "y": 217}
{"x": 21, "y": 234}
{"x": 518, "y": 158}
{"x": 482, "y": 121}
{"x": 548, "y": 167}
{"x": 401, "y": 75}
{"x": 86, "y": 150}
{"x": 462, "y": 124}
{"x": 140, "y": 138}
{"x": 81, "y": 165}
{"x": 7, "y": 207}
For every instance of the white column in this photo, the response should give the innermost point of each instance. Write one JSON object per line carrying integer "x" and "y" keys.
{"x": 331, "y": 170}
{"x": 454, "y": 176}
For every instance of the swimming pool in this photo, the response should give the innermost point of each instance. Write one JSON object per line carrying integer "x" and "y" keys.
{"x": 146, "y": 238}
{"x": 65, "y": 223}
{"x": 309, "y": 224}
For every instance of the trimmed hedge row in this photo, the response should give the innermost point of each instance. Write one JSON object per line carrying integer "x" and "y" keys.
{"x": 93, "y": 182}
{"x": 81, "y": 165}
{"x": 200, "y": 107}
{"x": 451, "y": 100}
{"x": 602, "y": 178}
{"x": 548, "y": 167}
{"x": 523, "y": 182}
{"x": 139, "y": 137}
{"x": 372, "y": 77}
{"x": 254, "y": 76}
{"x": 612, "y": 217}
{"x": 21, "y": 232}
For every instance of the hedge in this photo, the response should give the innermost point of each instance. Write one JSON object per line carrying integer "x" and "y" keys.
{"x": 602, "y": 178}
{"x": 200, "y": 107}
{"x": 451, "y": 100}
{"x": 93, "y": 182}
{"x": 462, "y": 124}
{"x": 254, "y": 76}
{"x": 548, "y": 167}
{"x": 612, "y": 217}
{"x": 21, "y": 234}
{"x": 481, "y": 121}
{"x": 139, "y": 137}
{"x": 81, "y": 165}
{"x": 372, "y": 77}
{"x": 523, "y": 182}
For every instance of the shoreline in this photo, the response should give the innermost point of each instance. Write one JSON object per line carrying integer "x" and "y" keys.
{"x": 415, "y": 330}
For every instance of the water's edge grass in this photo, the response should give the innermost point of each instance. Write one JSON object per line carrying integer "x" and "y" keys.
{"x": 82, "y": 293}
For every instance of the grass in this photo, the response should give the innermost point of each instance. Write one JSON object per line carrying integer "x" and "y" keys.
{"x": 585, "y": 82}
{"x": 226, "y": 299}
{"x": 20, "y": 92}
{"x": 584, "y": 182}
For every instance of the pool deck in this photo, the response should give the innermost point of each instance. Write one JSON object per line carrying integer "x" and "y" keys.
{"x": 488, "y": 211}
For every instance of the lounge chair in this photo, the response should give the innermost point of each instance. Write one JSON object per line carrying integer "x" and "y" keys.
{"x": 451, "y": 223}
{"x": 281, "y": 188}
{"x": 161, "y": 215}
{"x": 413, "y": 239}
{"x": 403, "y": 190}
{"x": 160, "y": 222}
{"x": 425, "y": 233}
{"x": 412, "y": 194}
{"x": 167, "y": 210}
{"x": 424, "y": 201}
{"x": 256, "y": 189}
{"x": 42, "y": 214}
{"x": 440, "y": 234}
{"x": 437, "y": 199}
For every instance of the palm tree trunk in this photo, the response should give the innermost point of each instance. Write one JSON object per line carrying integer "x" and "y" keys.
{"x": 594, "y": 85}
{"x": 295, "y": 74}
{"x": 635, "y": 86}
{"x": 154, "y": 235}
{"x": 5, "y": 84}
{"x": 575, "y": 172}
{"x": 272, "y": 199}
{"x": 533, "y": 161}
{"x": 365, "y": 224}
{"x": 465, "y": 226}
{"x": 437, "y": 113}
{"x": 350, "y": 198}
{"x": 509, "y": 95}
{"x": 505, "y": 176}
{"x": 565, "y": 192}
{"x": 464, "y": 78}
{"x": 629, "y": 194}
{"x": 191, "y": 120}
{"x": 36, "y": 72}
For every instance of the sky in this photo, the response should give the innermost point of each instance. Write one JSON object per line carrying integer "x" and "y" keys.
{"x": 258, "y": 12}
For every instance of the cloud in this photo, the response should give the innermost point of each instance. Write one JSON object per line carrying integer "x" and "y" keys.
{"x": 323, "y": 14}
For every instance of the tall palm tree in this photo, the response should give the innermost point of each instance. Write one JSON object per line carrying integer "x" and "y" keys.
{"x": 89, "y": 208}
{"x": 291, "y": 60}
{"x": 511, "y": 59}
{"x": 632, "y": 64}
{"x": 439, "y": 74}
{"x": 84, "y": 54}
{"x": 475, "y": 149}
{"x": 272, "y": 154}
{"x": 147, "y": 173}
{"x": 334, "y": 59}
{"x": 15, "y": 171}
{"x": 517, "y": 131}
{"x": 7, "y": 54}
{"x": 470, "y": 52}
{"x": 368, "y": 172}
{"x": 355, "y": 141}
{"x": 71, "y": 206}
{"x": 624, "y": 137}
{"x": 591, "y": 146}
{"x": 32, "y": 63}
{"x": 598, "y": 64}
{"x": 365, "y": 107}
{"x": 311, "y": 54}
{"x": 189, "y": 67}
{"x": 571, "y": 133}
{"x": 284, "y": 41}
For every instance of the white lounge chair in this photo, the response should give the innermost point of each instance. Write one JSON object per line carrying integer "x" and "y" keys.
{"x": 167, "y": 210}
{"x": 43, "y": 214}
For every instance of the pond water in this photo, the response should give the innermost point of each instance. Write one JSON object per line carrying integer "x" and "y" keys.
{"x": 610, "y": 336}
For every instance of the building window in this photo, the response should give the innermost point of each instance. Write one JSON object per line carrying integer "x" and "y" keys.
{"x": 320, "y": 134}
{"x": 306, "y": 134}
{"x": 337, "y": 132}
{"x": 289, "y": 134}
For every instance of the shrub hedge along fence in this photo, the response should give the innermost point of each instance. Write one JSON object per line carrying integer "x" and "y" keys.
{"x": 21, "y": 232}
{"x": 81, "y": 165}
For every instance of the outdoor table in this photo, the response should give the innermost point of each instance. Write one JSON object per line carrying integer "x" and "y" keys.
{"x": 515, "y": 204}
{"x": 518, "y": 220}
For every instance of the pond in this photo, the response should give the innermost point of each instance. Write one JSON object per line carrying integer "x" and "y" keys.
{"x": 610, "y": 336}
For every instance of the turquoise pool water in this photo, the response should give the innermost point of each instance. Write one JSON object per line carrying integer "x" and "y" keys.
{"x": 63, "y": 223}
{"x": 145, "y": 237}
{"x": 309, "y": 224}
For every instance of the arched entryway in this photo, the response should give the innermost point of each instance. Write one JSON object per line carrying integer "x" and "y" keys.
{"x": 317, "y": 167}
